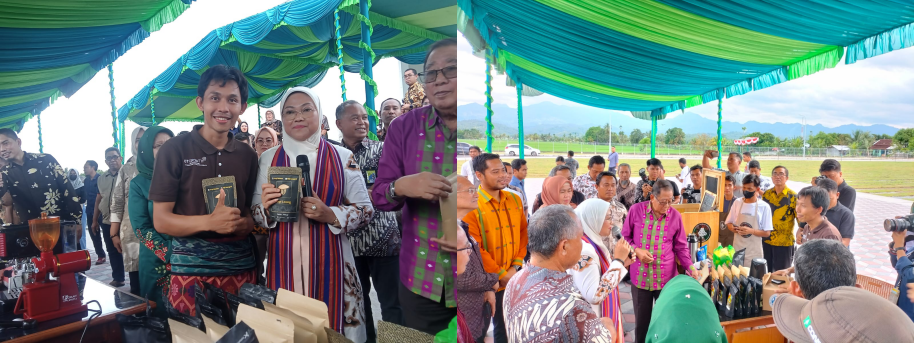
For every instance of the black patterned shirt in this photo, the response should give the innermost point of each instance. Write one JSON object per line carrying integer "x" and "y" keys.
{"x": 381, "y": 236}
{"x": 40, "y": 185}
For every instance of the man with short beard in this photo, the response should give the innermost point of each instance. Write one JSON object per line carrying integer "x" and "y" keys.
{"x": 626, "y": 191}
{"x": 390, "y": 110}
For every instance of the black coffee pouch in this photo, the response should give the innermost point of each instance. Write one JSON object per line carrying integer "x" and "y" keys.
{"x": 240, "y": 333}
{"x": 219, "y": 299}
{"x": 204, "y": 308}
{"x": 256, "y": 294}
{"x": 188, "y": 320}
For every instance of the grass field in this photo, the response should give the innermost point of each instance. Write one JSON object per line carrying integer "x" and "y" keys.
{"x": 545, "y": 148}
{"x": 891, "y": 179}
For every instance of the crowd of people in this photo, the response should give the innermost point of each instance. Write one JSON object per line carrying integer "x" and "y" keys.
{"x": 370, "y": 219}
{"x": 553, "y": 272}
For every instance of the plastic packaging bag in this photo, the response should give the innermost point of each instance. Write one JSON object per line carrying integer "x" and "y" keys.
{"x": 254, "y": 294}
{"x": 146, "y": 328}
{"x": 738, "y": 258}
{"x": 702, "y": 254}
{"x": 240, "y": 333}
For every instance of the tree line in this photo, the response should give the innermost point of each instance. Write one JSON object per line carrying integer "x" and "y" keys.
{"x": 859, "y": 139}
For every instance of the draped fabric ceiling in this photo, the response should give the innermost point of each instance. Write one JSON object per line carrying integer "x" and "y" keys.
{"x": 293, "y": 44}
{"x": 653, "y": 57}
{"x": 51, "y": 48}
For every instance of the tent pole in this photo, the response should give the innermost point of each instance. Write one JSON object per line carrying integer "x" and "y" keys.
{"x": 489, "y": 125}
{"x": 258, "y": 116}
{"x": 518, "y": 88}
{"x": 654, "y": 134}
{"x": 339, "y": 52}
{"x": 114, "y": 117}
{"x": 40, "y": 141}
{"x": 368, "y": 57}
{"x": 720, "y": 100}
{"x": 152, "y": 108}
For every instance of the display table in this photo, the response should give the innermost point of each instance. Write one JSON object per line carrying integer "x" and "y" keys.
{"x": 103, "y": 328}
{"x": 731, "y": 325}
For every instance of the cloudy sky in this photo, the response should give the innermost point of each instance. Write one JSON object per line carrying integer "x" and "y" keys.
{"x": 877, "y": 90}
{"x": 79, "y": 128}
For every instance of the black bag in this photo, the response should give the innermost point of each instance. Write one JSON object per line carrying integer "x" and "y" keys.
{"x": 739, "y": 257}
{"x": 219, "y": 299}
{"x": 188, "y": 320}
{"x": 240, "y": 333}
{"x": 256, "y": 294}
{"x": 741, "y": 308}
{"x": 204, "y": 308}
{"x": 731, "y": 305}
{"x": 144, "y": 328}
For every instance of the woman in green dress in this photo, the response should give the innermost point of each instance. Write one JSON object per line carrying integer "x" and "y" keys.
{"x": 155, "y": 246}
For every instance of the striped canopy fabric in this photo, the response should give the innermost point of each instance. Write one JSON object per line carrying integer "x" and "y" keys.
{"x": 51, "y": 48}
{"x": 653, "y": 57}
{"x": 293, "y": 44}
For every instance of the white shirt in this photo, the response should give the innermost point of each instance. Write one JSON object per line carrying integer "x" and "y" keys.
{"x": 684, "y": 177}
{"x": 467, "y": 171}
{"x": 763, "y": 213}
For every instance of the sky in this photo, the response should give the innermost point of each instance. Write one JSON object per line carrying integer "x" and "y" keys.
{"x": 878, "y": 90}
{"x": 78, "y": 128}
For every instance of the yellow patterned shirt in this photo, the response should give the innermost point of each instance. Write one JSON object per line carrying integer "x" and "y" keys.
{"x": 415, "y": 95}
{"x": 784, "y": 213}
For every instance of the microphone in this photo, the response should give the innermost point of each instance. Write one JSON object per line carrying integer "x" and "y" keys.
{"x": 302, "y": 162}
{"x": 618, "y": 234}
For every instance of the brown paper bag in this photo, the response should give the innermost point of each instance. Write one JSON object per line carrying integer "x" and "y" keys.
{"x": 214, "y": 330}
{"x": 313, "y": 310}
{"x": 448, "y": 207}
{"x": 269, "y": 327}
{"x": 183, "y": 333}
{"x": 305, "y": 331}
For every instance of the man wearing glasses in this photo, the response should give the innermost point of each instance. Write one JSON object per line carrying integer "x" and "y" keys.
{"x": 101, "y": 217}
{"x": 655, "y": 231}
{"x": 778, "y": 248}
{"x": 418, "y": 153}
{"x": 413, "y": 98}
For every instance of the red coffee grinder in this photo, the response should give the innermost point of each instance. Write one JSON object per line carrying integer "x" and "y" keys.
{"x": 47, "y": 299}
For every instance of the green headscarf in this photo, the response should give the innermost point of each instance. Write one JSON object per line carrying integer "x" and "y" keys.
{"x": 145, "y": 158}
{"x": 684, "y": 312}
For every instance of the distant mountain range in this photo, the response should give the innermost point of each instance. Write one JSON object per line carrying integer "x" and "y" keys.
{"x": 547, "y": 117}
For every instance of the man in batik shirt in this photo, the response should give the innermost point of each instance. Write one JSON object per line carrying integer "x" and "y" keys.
{"x": 542, "y": 305}
{"x": 584, "y": 183}
{"x": 626, "y": 190}
{"x": 34, "y": 184}
{"x": 413, "y": 98}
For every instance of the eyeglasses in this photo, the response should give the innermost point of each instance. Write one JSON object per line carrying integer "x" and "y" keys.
{"x": 112, "y": 158}
{"x": 430, "y": 76}
{"x": 665, "y": 202}
{"x": 779, "y": 174}
{"x": 307, "y": 113}
{"x": 468, "y": 191}
{"x": 264, "y": 141}
{"x": 469, "y": 246}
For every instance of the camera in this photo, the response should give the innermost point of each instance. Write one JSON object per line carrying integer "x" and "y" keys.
{"x": 898, "y": 225}
{"x": 690, "y": 195}
{"x": 644, "y": 175}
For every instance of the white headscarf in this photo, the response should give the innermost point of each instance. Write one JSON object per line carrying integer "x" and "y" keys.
{"x": 592, "y": 213}
{"x": 133, "y": 138}
{"x": 76, "y": 183}
{"x": 308, "y": 147}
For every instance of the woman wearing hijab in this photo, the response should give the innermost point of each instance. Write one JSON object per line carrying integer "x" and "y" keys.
{"x": 313, "y": 256}
{"x": 242, "y": 128}
{"x": 556, "y": 190}
{"x": 597, "y": 274}
{"x": 274, "y": 124}
{"x": 122, "y": 236}
{"x": 155, "y": 252}
{"x": 264, "y": 140}
{"x": 9, "y": 216}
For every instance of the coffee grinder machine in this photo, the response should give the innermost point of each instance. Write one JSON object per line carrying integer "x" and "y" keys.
{"x": 44, "y": 298}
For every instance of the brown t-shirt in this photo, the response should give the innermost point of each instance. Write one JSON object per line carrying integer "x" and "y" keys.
{"x": 823, "y": 231}
{"x": 185, "y": 161}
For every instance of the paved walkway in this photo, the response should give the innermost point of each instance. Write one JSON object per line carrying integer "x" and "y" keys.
{"x": 869, "y": 244}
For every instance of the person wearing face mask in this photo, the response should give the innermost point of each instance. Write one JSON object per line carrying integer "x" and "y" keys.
{"x": 122, "y": 236}
{"x": 750, "y": 221}
{"x": 154, "y": 251}
{"x": 390, "y": 110}
{"x": 339, "y": 204}
{"x": 598, "y": 273}
{"x": 500, "y": 223}
{"x": 476, "y": 297}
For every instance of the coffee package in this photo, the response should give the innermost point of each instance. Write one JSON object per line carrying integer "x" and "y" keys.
{"x": 183, "y": 333}
{"x": 211, "y": 188}
{"x": 240, "y": 333}
{"x": 269, "y": 327}
{"x": 313, "y": 310}
{"x": 289, "y": 182}
{"x": 305, "y": 331}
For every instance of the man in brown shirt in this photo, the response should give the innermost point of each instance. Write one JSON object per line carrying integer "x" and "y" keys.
{"x": 812, "y": 203}
{"x": 207, "y": 247}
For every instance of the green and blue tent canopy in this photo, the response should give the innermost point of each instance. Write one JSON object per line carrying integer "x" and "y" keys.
{"x": 653, "y": 57}
{"x": 51, "y": 48}
{"x": 295, "y": 44}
